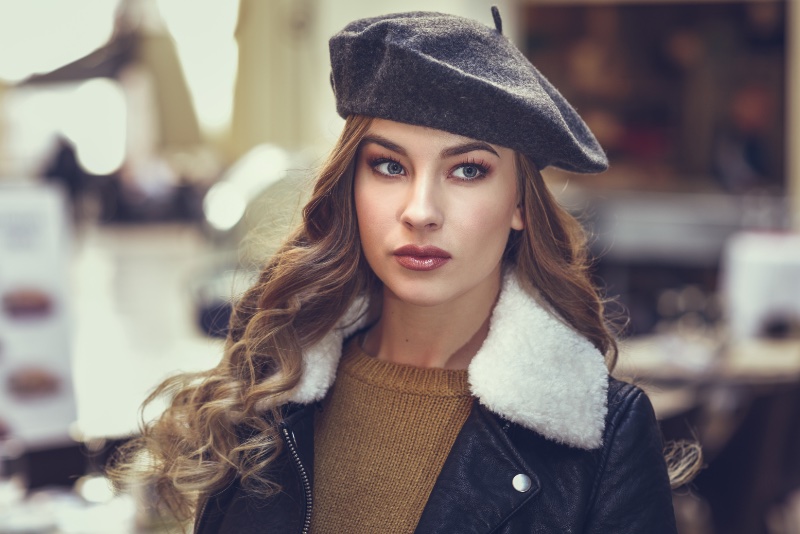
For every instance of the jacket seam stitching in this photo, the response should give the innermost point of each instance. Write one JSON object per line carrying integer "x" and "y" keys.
{"x": 629, "y": 395}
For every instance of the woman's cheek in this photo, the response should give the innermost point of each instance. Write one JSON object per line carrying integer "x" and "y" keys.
{"x": 374, "y": 212}
{"x": 371, "y": 203}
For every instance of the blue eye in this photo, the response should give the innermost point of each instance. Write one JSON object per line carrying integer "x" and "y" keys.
{"x": 469, "y": 172}
{"x": 390, "y": 168}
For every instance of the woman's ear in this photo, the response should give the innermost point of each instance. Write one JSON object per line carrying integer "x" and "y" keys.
{"x": 517, "y": 221}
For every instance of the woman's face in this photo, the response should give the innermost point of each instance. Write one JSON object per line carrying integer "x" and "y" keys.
{"x": 435, "y": 210}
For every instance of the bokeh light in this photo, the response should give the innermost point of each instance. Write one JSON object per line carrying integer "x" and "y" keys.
{"x": 96, "y": 122}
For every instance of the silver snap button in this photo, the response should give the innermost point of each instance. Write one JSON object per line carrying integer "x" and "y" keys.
{"x": 521, "y": 483}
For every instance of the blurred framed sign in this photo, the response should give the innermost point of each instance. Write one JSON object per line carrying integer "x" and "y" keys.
{"x": 37, "y": 402}
{"x": 761, "y": 283}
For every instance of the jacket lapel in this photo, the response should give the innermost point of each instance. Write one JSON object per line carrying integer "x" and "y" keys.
{"x": 474, "y": 491}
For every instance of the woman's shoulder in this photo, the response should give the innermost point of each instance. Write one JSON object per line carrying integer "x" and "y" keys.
{"x": 623, "y": 394}
{"x": 632, "y": 434}
{"x": 626, "y": 401}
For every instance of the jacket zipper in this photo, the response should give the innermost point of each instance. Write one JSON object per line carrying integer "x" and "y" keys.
{"x": 289, "y": 437}
{"x": 199, "y": 517}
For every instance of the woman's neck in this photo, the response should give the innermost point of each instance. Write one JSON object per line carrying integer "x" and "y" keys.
{"x": 447, "y": 335}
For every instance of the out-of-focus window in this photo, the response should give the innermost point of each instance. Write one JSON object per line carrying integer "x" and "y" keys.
{"x": 685, "y": 96}
{"x": 41, "y": 35}
{"x": 203, "y": 31}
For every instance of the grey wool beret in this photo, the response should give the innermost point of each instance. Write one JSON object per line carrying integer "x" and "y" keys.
{"x": 458, "y": 75}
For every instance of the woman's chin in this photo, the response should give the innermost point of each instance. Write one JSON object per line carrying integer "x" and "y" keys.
{"x": 423, "y": 295}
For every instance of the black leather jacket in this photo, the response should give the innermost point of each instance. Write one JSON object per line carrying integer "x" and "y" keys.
{"x": 619, "y": 488}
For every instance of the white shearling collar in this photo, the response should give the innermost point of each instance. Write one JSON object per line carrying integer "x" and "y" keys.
{"x": 532, "y": 369}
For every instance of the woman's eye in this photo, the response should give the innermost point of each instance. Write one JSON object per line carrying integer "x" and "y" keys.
{"x": 469, "y": 172}
{"x": 389, "y": 167}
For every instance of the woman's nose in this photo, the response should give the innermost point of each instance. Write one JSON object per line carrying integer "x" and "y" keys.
{"x": 422, "y": 208}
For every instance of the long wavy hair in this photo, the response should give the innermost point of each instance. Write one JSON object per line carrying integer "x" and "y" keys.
{"x": 222, "y": 423}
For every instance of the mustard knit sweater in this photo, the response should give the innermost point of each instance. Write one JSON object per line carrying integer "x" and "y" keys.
{"x": 380, "y": 441}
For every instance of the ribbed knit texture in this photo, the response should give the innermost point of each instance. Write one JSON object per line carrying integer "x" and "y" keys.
{"x": 381, "y": 440}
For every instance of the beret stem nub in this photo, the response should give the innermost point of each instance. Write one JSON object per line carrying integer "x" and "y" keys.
{"x": 498, "y": 22}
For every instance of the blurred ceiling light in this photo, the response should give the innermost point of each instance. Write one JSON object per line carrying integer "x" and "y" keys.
{"x": 259, "y": 168}
{"x": 96, "y": 122}
{"x": 95, "y": 488}
{"x": 203, "y": 31}
{"x": 35, "y": 36}
{"x": 225, "y": 203}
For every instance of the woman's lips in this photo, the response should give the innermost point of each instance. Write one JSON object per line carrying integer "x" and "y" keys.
{"x": 418, "y": 258}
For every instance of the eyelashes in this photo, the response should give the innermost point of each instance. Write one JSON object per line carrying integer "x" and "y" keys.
{"x": 387, "y": 166}
{"x": 471, "y": 170}
{"x": 467, "y": 171}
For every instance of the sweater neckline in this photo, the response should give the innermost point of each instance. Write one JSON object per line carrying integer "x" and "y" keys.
{"x": 403, "y": 378}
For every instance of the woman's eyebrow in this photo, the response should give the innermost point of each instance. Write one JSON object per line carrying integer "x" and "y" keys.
{"x": 385, "y": 143}
{"x": 446, "y": 153}
{"x": 468, "y": 147}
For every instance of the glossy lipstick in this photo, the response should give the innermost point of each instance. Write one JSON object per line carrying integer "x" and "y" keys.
{"x": 425, "y": 258}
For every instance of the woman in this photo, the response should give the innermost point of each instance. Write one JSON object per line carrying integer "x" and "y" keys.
{"x": 426, "y": 353}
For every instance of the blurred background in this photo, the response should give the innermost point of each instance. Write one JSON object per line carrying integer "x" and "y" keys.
{"x": 154, "y": 152}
